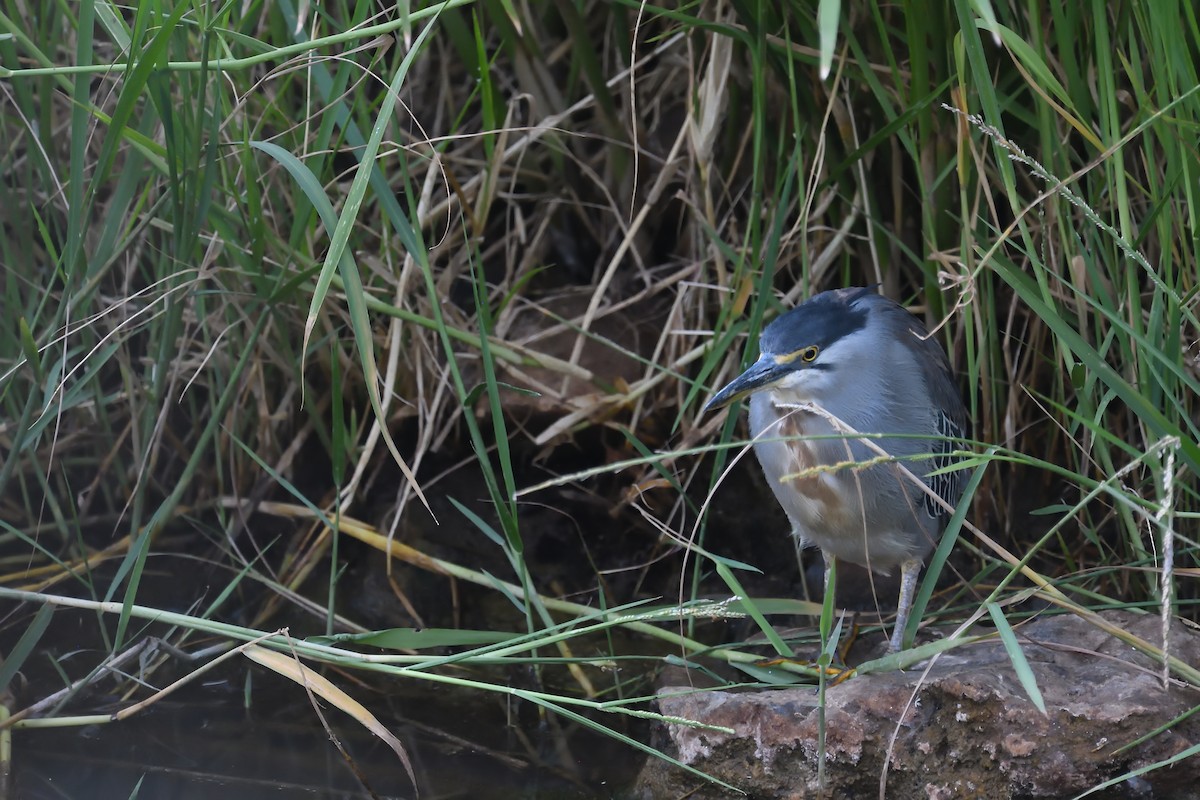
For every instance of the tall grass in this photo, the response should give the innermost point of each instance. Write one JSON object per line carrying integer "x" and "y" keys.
{"x": 239, "y": 240}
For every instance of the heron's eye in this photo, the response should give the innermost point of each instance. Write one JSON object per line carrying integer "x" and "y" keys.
{"x": 809, "y": 353}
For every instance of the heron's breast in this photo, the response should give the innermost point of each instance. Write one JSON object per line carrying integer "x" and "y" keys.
{"x": 801, "y": 471}
{"x": 842, "y": 509}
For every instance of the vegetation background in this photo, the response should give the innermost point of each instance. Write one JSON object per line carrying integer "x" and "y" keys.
{"x": 272, "y": 270}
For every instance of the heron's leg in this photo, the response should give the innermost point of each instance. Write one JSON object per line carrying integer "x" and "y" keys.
{"x": 837, "y": 673}
{"x": 909, "y": 572}
{"x": 828, "y": 559}
{"x": 831, "y": 594}
{"x": 798, "y": 548}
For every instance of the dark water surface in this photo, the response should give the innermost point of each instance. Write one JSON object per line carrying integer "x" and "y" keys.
{"x": 213, "y": 747}
{"x": 217, "y": 738}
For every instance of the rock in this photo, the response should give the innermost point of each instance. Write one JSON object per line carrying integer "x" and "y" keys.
{"x": 964, "y": 728}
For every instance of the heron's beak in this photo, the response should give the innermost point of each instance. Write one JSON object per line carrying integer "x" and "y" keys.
{"x": 760, "y": 374}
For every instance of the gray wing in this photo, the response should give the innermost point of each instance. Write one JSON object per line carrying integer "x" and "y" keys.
{"x": 946, "y": 405}
{"x": 950, "y": 417}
